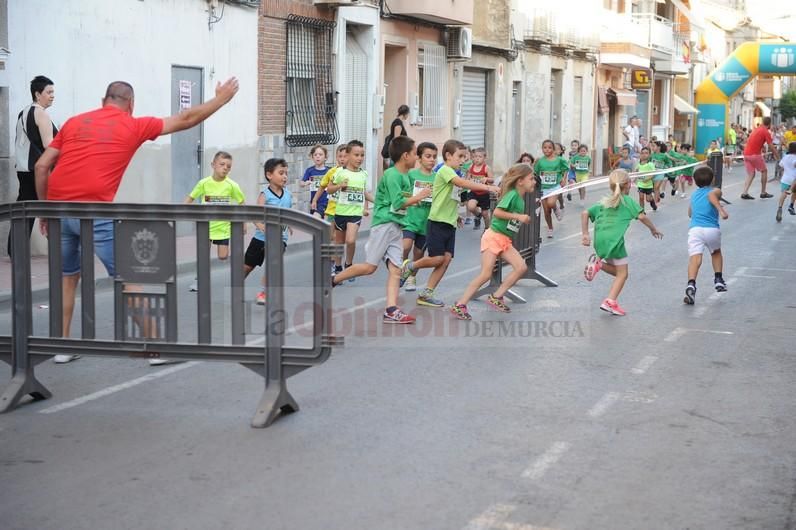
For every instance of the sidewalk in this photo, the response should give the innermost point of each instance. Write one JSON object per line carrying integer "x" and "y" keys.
{"x": 186, "y": 262}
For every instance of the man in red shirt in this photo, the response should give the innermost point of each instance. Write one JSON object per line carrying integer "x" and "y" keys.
{"x": 93, "y": 150}
{"x": 753, "y": 159}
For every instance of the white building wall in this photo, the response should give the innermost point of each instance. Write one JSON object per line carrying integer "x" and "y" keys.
{"x": 93, "y": 42}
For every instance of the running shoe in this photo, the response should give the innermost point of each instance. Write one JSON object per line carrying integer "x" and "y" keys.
{"x": 593, "y": 266}
{"x": 663, "y": 194}
{"x": 791, "y": 210}
{"x": 460, "y": 312}
{"x": 558, "y": 213}
{"x": 63, "y": 359}
{"x": 682, "y": 195}
{"x": 467, "y": 221}
{"x": 569, "y": 197}
{"x": 779, "y": 214}
{"x": 477, "y": 223}
{"x": 674, "y": 192}
{"x": 765, "y": 195}
{"x": 194, "y": 287}
{"x": 397, "y": 317}
{"x": 260, "y": 298}
{"x": 427, "y": 299}
{"x": 549, "y": 233}
{"x": 747, "y": 197}
{"x": 654, "y": 206}
{"x": 719, "y": 285}
{"x": 406, "y": 272}
{"x": 690, "y": 294}
{"x": 611, "y": 306}
{"x": 498, "y": 303}
{"x": 411, "y": 284}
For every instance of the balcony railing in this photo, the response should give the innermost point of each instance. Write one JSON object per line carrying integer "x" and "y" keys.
{"x": 658, "y": 32}
{"x": 622, "y": 28}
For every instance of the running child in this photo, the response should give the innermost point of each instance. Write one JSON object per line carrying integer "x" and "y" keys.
{"x": 497, "y": 240}
{"x": 393, "y": 198}
{"x": 574, "y": 149}
{"x": 526, "y": 158}
{"x": 788, "y": 182}
{"x": 646, "y": 185}
{"x": 661, "y": 161}
{"x": 337, "y": 236}
{"x": 312, "y": 178}
{"x": 581, "y": 165}
{"x": 350, "y": 184}
{"x": 559, "y": 151}
{"x": 704, "y": 233}
{"x": 611, "y": 218}
{"x": 478, "y": 202}
{"x": 625, "y": 161}
{"x": 417, "y": 218}
{"x": 676, "y": 158}
{"x": 273, "y": 193}
{"x": 218, "y": 188}
{"x": 552, "y": 170}
{"x": 443, "y": 219}
{"x": 687, "y": 175}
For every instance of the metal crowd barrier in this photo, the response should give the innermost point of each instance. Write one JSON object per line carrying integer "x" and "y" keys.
{"x": 527, "y": 242}
{"x": 145, "y": 296}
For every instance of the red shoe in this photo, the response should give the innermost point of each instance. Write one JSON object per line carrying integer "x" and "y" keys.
{"x": 611, "y": 306}
{"x": 398, "y": 317}
{"x": 593, "y": 266}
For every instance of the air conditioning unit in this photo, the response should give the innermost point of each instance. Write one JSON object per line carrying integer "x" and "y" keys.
{"x": 460, "y": 43}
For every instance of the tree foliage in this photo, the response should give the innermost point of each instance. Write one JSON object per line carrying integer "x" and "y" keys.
{"x": 787, "y": 105}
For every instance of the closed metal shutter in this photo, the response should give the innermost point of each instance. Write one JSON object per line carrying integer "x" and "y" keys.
{"x": 356, "y": 101}
{"x": 474, "y": 108}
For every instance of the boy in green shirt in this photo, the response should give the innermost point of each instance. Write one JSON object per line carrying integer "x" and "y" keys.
{"x": 581, "y": 165}
{"x": 646, "y": 186}
{"x": 417, "y": 218}
{"x": 661, "y": 161}
{"x": 442, "y": 221}
{"x": 687, "y": 176}
{"x": 393, "y": 197}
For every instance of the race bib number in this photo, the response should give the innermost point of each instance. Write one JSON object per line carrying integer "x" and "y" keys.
{"x": 351, "y": 196}
{"x": 215, "y": 199}
{"x": 419, "y": 187}
{"x": 581, "y": 166}
{"x": 549, "y": 178}
{"x": 315, "y": 183}
{"x": 513, "y": 226}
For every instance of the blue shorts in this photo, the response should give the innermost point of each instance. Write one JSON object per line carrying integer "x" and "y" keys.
{"x": 784, "y": 187}
{"x": 70, "y": 245}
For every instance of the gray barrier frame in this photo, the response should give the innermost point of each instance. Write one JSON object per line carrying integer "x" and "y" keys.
{"x": 274, "y": 361}
{"x": 527, "y": 242}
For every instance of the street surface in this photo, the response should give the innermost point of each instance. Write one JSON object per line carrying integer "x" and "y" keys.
{"x": 554, "y": 416}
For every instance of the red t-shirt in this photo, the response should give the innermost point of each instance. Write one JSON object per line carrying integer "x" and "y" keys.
{"x": 758, "y": 138}
{"x": 95, "y": 149}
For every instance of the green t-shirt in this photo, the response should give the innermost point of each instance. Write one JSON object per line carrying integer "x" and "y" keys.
{"x": 351, "y": 201}
{"x": 417, "y": 215}
{"x": 689, "y": 160}
{"x": 211, "y": 191}
{"x": 679, "y": 160}
{"x": 645, "y": 183}
{"x": 661, "y": 160}
{"x": 465, "y": 169}
{"x": 582, "y": 164}
{"x": 391, "y": 194}
{"x": 610, "y": 225}
{"x": 551, "y": 171}
{"x": 512, "y": 202}
{"x": 444, "y": 206}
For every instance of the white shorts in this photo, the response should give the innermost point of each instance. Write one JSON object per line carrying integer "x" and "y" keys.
{"x": 702, "y": 238}
{"x": 385, "y": 242}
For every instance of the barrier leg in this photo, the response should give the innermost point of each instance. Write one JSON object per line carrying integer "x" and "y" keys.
{"x": 276, "y": 400}
{"x": 21, "y": 385}
{"x": 533, "y": 274}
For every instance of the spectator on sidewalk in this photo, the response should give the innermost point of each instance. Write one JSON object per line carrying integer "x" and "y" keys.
{"x": 93, "y": 150}
{"x": 753, "y": 158}
{"x": 35, "y": 131}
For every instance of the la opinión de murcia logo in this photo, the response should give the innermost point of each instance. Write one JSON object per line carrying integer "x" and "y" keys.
{"x": 782, "y": 57}
{"x": 145, "y": 246}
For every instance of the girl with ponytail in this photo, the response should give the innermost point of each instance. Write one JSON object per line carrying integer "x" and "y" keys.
{"x": 611, "y": 218}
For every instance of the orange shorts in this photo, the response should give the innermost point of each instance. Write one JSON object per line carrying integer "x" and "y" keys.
{"x": 495, "y": 242}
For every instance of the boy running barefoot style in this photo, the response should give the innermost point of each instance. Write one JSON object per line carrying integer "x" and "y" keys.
{"x": 274, "y": 193}
{"x": 646, "y": 185}
{"x": 497, "y": 240}
{"x": 552, "y": 169}
{"x": 350, "y": 185}
{"x": 417, "y": 218}
{"x": 788, "y": 182}
{"x": 442, "y": 221}
{"x": 337, "y": 236}
{"x": 581, "y": 165}
{"x": 704, "y": 232}
{"x": 393, "y": 198}
{"x": 312, "y": 178}
{"x": 611, "y": 218}
{"x": 478, "y": 202}
{"x": 218, "y": 188}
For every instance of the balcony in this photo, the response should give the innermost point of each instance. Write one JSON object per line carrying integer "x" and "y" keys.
{"x": 449, "y": 12}
{"x": 540, "y": 26}
{"x": 623, "y": 41}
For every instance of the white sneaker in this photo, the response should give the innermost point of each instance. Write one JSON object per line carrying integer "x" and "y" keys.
{"x": 194, "y": 287}
{"x": 682, "y": 195}
{"x": 63, "y": 359}
{"x": 558, "y": 213}
{"x": 410, "y": 284}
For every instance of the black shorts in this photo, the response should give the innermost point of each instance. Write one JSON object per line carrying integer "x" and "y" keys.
{"x": 440, "y": 238}
{"x": 645, "y": 191}
{"x": 220, "y": 242}
{"x": 484, "y": 201}
{"x": 341, "y": 221}
{"x": 671, "y": 178}
{"x": 464, "y": 196}
{"x": 419, "y": 239}
{"x": 255, "y": 253}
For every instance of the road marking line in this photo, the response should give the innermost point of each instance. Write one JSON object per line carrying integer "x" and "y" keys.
{"x": 117, "y": 388}
{"x": 540, "y": 466}
{"x": 644, "y": 364}
{"x": 675, "y": 334}
{"x": 770, "y": 269}
{"x": 604, "y": 404}
{"x": 494, "y": 518}
{"x": 634, "y": 396}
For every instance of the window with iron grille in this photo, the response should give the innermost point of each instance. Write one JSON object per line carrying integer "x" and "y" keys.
{"x": 432, "y": 70}
{"x": 310, "y": 115}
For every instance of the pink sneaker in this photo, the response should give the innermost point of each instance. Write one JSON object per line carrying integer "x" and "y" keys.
{"x": 593, "y": 266}
{"x": 611, "y": 306}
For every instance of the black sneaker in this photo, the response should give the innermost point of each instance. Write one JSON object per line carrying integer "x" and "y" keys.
{"x": 569, "y": 197}
{"x": 690, "y": 294}
{"x": 765, "y": 195}
{"x": 674, "y": 192}
{"x": 747, "y": 197}
{"x": 779, "y": 215}
{"x": 791, "y": 210}
{"x": 663, "y": 194}
{"x": 477, "y": 223}
{"x": 719, "y": 285}
{"x": 654, "y": 207}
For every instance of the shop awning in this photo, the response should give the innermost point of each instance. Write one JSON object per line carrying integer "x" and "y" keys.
{"x": 763, "y": 108}
{"x": 683, "y": 107}
{"x": 623, "y": 96}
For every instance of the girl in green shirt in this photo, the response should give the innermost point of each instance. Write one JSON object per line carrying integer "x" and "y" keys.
{"x": 496, "y": 242}
{"x": 552, "y": 170}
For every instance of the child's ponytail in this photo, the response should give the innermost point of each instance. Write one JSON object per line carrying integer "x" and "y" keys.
{"x": 616, "y": 180}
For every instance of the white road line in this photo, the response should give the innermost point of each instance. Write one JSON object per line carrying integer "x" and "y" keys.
{"x": 770, "y": 269}
{"x": 679, "y": 332}
{"x": 540, "y": 466}
{"x": 117, "y": 388}
{"x": 495, "y": 518}
{"x": 644, "y": 364}
{"x": 605, "y": 403}
{"x": 675, "y": 334}
{"x": 634, "y": 396}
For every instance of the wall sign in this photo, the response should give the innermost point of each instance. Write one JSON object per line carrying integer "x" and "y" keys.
{"x": 640, "y": 78}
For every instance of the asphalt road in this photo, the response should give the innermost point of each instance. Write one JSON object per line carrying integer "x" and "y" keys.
{"x": 555, "y": 416}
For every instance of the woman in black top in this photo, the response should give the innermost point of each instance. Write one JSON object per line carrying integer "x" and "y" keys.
{"x": 397, "y": 128}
